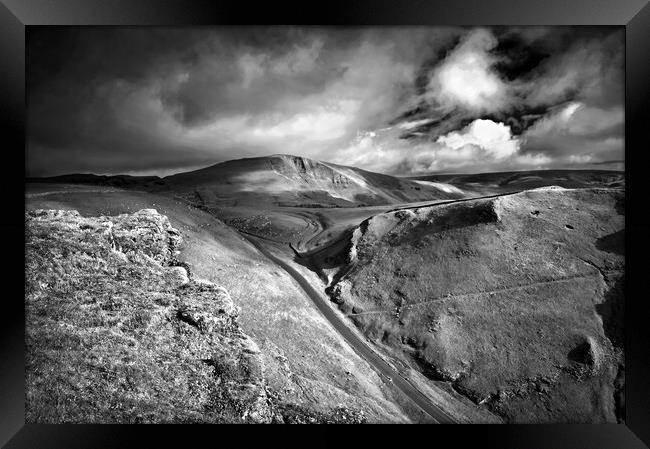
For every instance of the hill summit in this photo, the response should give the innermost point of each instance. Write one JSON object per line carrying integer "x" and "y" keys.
{"x": 288, "y": 180}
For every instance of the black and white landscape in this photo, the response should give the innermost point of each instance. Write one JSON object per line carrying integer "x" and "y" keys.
{"x": 325, "y": 225}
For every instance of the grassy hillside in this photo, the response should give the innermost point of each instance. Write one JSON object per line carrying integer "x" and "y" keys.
{"x": 299, "y": 374}
{"x": 515, "y": 301}
{"x": 119, "y": 331}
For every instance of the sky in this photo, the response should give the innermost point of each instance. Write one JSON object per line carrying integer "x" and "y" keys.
{"x": 405, "y": 101}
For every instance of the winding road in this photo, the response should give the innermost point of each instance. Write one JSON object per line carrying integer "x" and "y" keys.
{"x": 443, "y": 202}
{"x": 357, "y": 343}
{"x": 302, "y": 247}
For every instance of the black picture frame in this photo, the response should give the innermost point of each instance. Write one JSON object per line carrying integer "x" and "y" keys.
{"x": 634, "y": 15}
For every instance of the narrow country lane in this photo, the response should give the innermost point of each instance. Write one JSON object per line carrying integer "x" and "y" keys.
{"x": 357, "y": 343}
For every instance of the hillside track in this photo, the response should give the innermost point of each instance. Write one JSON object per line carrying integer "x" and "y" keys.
{"x": 360, "y": 346}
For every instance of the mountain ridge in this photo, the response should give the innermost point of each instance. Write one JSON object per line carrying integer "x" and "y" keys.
{"x": 295, "y": 180}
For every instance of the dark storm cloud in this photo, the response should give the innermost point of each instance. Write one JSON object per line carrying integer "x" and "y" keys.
{"x": 159, "y": 100}
{"x": 543, "y": 67}
{"x": 560, "y": 91}
{"x": 75, "y": 76}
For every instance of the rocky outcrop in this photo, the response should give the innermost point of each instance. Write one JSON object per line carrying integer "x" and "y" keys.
{"x": 117, "y": 331}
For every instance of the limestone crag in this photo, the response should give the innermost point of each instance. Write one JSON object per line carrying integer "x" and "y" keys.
{"x": 116, "y": 333}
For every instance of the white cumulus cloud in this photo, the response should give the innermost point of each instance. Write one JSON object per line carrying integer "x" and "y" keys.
{"x": 465, "y": 78}
{"x": 493, "y": 138}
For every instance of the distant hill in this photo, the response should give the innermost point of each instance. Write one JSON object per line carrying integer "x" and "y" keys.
{"x": 298, "y": 181}
{"x": 523, "y": 180}
{"x": 286, "y": 180}
{"x": 104, "y": 180}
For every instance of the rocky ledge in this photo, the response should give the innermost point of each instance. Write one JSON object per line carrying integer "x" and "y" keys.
{"x": 119, "y": 331}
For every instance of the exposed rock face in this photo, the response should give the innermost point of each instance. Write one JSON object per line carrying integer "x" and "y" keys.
{"x": 516, "y": 301}
{"x": 115, "y": 333}
{"x": 309, "y": 171}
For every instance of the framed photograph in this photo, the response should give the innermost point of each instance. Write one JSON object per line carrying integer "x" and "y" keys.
{"x": 361, "y": 213}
